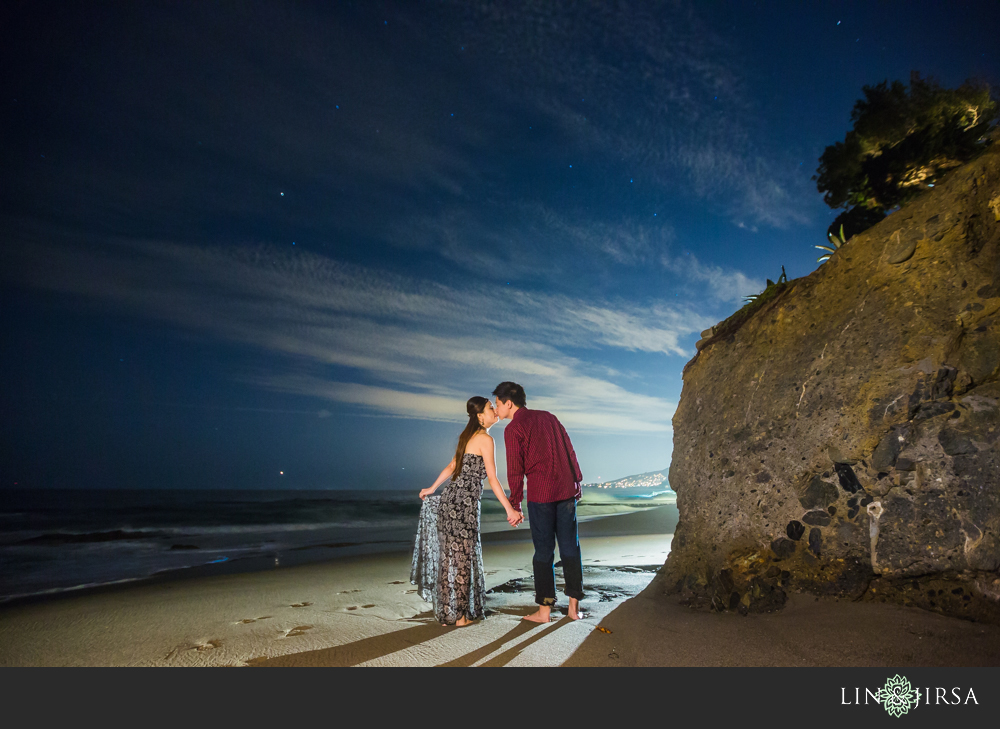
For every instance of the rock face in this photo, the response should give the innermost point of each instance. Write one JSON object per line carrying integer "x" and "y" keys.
{"x": 843, "y": 436}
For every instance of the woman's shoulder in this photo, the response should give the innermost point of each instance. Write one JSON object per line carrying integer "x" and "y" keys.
{"x": 478, "y": 442}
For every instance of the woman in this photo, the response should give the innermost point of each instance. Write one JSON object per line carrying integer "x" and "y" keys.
{"x": 461, "y": 587}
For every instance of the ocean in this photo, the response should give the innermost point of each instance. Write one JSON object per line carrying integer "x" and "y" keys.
{"x": 60, "y": 541}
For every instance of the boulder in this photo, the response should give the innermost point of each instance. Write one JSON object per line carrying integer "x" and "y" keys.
{"x": 853, "y": 417}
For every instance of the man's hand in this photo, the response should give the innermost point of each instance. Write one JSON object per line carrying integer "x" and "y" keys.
{"x": 514, "y": 517}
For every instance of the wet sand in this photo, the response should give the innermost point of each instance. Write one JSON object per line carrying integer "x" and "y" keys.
{"x": 362, "y": 611}
{"x": 356, "y": 611}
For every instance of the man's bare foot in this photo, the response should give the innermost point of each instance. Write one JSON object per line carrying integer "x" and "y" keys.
{"x": 539, "y": 616}
{"x": 575, "y": 613}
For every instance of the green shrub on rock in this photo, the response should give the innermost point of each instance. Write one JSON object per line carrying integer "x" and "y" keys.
{"x": 837, "y": 242}
{"x": 902, "y": 141}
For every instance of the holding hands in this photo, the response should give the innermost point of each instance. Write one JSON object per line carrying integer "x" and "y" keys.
{"x": 514, "y": 517}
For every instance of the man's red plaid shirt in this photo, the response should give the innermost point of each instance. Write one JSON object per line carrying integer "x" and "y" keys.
{"x": 538, "y": 447}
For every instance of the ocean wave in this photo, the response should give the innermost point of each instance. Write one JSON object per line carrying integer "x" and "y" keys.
{"x": 114, "y": 535}
{"x": 126, "y": 534}
{"x": 278, "y": 527}
{"x": 72, "y": 588}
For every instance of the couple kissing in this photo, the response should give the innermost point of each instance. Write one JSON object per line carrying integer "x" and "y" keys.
{"x": 447, "y": 556}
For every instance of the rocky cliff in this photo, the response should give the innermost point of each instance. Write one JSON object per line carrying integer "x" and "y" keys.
{"x": 841, "y": 435}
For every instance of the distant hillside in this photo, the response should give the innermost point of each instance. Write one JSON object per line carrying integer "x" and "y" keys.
{"x": 652, "y": 479}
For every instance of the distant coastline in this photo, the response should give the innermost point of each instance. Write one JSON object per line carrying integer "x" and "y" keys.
{"x": 657, "y": 480}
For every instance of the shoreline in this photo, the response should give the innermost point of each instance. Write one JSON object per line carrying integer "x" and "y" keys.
{"x": 242, "y": 565}
{"x": 362, "y": 611}
{"x": 245, "y": 618}
{"x": 493, "y": 528}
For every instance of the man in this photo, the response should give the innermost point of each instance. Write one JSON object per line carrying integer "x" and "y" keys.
{"x": 539, "y": 448}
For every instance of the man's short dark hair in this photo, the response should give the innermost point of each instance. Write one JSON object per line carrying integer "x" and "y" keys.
{"x": 510, "y": 392}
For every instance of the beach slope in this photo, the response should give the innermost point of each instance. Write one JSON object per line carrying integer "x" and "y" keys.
{"x": 653, "y": 629}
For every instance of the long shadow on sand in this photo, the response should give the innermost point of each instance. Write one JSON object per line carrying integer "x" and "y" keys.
{"x": 477, "y": 655}
{"x": 351, "y": 654}
{"x": 509, "y": 655}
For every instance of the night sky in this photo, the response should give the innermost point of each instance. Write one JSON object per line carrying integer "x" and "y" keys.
{"x": 278, "y": 245}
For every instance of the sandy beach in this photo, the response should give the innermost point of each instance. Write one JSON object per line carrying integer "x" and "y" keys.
{"x": 362, "y": 611}
{"x": 355, "y": 611}
{"x": 652, "y": 629}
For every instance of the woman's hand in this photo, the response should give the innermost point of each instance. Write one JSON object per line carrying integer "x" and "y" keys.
{"x": 424, "y": 493}
{"x": 514, "y": 517}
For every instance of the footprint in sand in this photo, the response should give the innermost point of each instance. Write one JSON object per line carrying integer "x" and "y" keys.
{"x": 297, "y": 630}
{"x": 347, "y": 592}
{"x": 409, "y": 592}
{"x": 368, "y": 606}
{"x": 397, "y": 582}
{"x": 245, "y": 621}
{"x": 300, "y": 604}
{"x": 352, "y": 607}
{"x": 201, "y": 646}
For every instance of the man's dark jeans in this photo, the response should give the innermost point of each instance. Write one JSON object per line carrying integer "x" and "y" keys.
{"x": 549, "y": 523}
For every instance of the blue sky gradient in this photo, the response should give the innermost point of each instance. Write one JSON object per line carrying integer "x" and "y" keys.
{"x": 249, "y": 239}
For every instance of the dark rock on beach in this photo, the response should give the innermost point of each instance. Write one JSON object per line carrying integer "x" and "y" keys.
{"x": 817, "y": 518}
{"x": 795, "y": 530}
{"x": 886, "y": 452}
{"x": 818, "y": 494}
{"x": 815, "y": 541}
{"x": 860, "y": 403}
{"x": 783, "y": 547}
{"x": 848, "y": 479}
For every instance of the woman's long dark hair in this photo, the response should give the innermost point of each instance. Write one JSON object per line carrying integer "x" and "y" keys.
{"x": 474, "y": 407}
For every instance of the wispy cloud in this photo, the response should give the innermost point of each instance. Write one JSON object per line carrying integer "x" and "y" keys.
{"x": 754, "y": 186}
{"x": 375, "y": 138}
{"x": 651, "y": 85}
{"x": 411, "y": 348}
{"x": 723, "y": 284}
{"x": 534, "y": 239}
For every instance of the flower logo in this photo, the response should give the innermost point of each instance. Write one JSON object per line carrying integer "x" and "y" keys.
{"x": 897, "y": 696}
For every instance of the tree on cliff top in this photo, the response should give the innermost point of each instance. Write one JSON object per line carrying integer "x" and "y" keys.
{"x": 901, "y": 142}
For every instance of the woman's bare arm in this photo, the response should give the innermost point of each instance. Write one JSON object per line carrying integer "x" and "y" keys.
{"x": 442, "y": 477}
{"x": 487, "y": 450}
